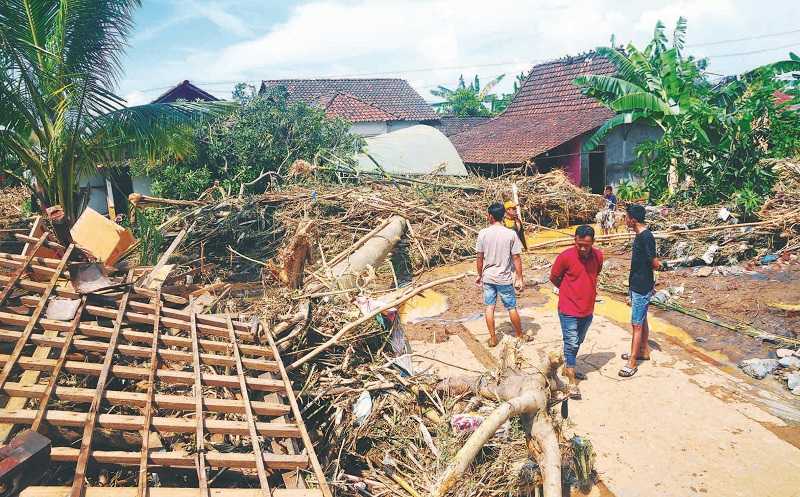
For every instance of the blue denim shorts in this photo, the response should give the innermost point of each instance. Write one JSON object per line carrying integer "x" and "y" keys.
{"x": 639, "y": 304}
{"x": 506, "y": 292}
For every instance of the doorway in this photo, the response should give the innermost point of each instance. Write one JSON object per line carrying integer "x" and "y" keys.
{"x": 597, "y": 170}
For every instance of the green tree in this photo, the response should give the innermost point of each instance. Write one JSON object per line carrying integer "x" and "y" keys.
{"x": 261, "y": 138}
{"x": 467, "y": 100}
{"x": 708, "y": 130}
{"x": 501, "y": 104}
{"x": 59, "y": 116}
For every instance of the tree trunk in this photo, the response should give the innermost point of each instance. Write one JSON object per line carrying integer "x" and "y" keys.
{"x": 372, "y": 253}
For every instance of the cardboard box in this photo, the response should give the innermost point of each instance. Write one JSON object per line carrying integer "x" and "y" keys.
{"x": 101, "y": 237}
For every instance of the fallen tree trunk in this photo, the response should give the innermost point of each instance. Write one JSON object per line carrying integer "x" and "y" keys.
{"x": 525, "y": 395}
{"x": 371, "y": 253}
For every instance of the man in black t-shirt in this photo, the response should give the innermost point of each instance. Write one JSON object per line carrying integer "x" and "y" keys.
{"x": 640, "y": 284}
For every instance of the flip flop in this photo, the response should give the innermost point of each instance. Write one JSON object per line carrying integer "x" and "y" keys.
{"x": 574, "y": 392}
{"x": 627, "y": 356}
{"x": 580, "y": 376}
{"x": 627, "y": 371}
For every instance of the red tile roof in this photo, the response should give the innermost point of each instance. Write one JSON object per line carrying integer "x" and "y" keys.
{"x": 547, "y": 111}
{"x": 394, "y": 97}
{"x": 184, "y": 91}
{"x": 353, "y": 109}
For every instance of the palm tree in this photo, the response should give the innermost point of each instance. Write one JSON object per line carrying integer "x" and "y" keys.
{"x": 59, "y": 115}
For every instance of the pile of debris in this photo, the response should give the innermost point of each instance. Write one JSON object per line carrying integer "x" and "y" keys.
{"x": 306, "y": 283}
{"x": 11, "y": 201}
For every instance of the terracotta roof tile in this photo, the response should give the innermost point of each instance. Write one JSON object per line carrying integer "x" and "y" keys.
{"x": 395, "y": 97}
{"x": 547, "y": 111}
{"x": 353, "y": 109}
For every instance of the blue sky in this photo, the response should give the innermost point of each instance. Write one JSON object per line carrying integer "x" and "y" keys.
{"x": 428, "y": 42}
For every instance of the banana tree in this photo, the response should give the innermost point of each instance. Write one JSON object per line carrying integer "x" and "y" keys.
{"x": 59, "y": 116}
{"x": 657, "y": 85}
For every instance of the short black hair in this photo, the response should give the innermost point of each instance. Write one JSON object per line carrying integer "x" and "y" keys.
{"x": 636, "y": 211}
{"x": 609, "y": 187}
{"x": 497, "y": 211}
{"x": 583, "y": 231}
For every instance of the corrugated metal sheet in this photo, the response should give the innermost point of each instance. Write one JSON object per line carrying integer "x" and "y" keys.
{"x": 416, "y": 150}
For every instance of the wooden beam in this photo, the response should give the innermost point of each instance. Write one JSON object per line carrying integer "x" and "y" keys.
{"x": 199, "y": 437}
{"x": 139, "y": 373}
{"x": 162, "y": 261}
{"x": 160, "y": 424}
{"x": 23, "y": 266}
{"x": 168, "y": 492}
{"x": 135, "y": 399}
{"x": 309, "y": 445}
{"x": 148, "y": 409}
{"x": 182, "y": 459}
{"x": 79, "y": 481}
{"x": 32, "y": 320}
{"x": 62, "y": 358}
{"x": 136, "y": 351}
{"x": 251, "y": 423}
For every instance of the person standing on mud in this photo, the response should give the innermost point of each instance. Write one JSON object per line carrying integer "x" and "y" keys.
{"x": 574, "y": 273}
{"x": 499, "y": 268}
{"x": 641, "y": 282}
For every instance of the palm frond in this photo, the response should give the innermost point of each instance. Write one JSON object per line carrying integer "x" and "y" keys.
{"x": 625, "y": 68}
{"x": 608, "y": 85}
{"x": 679, "y": 34}
{"x": 488, "y": 87}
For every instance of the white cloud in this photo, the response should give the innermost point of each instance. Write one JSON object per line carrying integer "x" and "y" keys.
{"x": 432, "y": 42}
{"x": 137, "y": 98}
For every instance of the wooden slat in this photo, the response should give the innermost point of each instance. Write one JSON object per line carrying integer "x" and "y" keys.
{"x": 32, "y": 320}
{"x": 200, "y": 439}
{"x": 82, "y": 344}
{"x": 62, "y": 358}
{"x": 79, "y": 481}
{"x": 135, "y": 399}
{"x": 168, "y": 492}
{"x": 309, "y": 445}
{"x": 182, "y": 459}
{"x": 23, "y": 266}
{"x": 160, "y": 424}
{"x": 148, "y": 409}
{"x": 251, "y": 423}
{"x": 139, "y": 373}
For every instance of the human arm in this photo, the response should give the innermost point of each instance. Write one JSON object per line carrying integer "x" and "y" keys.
{"x": 518, "y": 280}
{"x": 479, "y": 268}
{"x": 650, "y": 252}
{"x": 557, "y": 272}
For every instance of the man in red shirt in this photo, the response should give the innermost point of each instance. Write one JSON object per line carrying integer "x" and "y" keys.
{"x": 575, "y": 273}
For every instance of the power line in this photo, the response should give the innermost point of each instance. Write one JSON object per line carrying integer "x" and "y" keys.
{"x": 751, "y": 52}
{"x": 737, "y": 40}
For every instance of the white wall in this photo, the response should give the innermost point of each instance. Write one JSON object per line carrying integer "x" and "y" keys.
{"x": 369, "y": 128}
{"x": 395, "y": 125}
{"x": 97, "y": 198}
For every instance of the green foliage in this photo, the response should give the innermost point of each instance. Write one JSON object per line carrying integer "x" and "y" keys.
{"x": 630, "y": 191}
{"x": 468, "y": 100}
{"x": 260, "y": 139}
{"x": 150, "y": 238}
{"x": 714, "y": 136}
{"x": 59, "y": 118}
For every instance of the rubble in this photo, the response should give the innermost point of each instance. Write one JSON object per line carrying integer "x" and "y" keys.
{"x": 758, "y": 368}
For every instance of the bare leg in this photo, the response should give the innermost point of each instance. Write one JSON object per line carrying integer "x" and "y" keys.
{"x": 489, "y": 313}
{"x": 645, "y": 347}
{"x": 516, "y": 323}
{"x": 636, "y": 345}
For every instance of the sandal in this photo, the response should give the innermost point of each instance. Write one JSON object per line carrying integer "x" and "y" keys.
{"x": 574, "y": 392}
{"x": 627, "y": 371}
{"x": 627, "y": 356}
{"x": 492, "y": 343}
{"x": 580, "y": 376}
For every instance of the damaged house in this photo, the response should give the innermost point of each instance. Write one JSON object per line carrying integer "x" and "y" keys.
{"x": 374, "y": 106}
{"x": 546, "y": 125}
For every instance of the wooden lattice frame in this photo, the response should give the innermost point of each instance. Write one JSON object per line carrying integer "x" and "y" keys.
{"x": 134, "y": 324}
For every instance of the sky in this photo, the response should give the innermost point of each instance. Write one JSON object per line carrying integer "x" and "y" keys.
{"x": 216, "y": 44}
